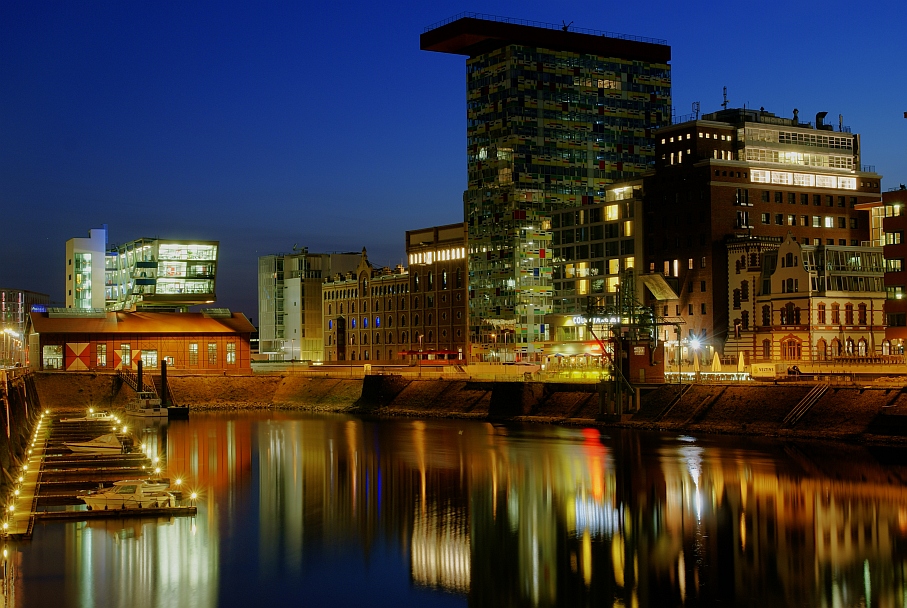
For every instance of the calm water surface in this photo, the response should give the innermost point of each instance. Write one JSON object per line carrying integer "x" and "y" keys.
{"x": 310, "y": 510}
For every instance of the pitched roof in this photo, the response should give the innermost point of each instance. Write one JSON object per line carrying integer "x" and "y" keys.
{"x": 143, "y": 323}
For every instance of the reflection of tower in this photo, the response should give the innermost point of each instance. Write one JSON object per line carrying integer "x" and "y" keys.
{"x": 440, "y": 548}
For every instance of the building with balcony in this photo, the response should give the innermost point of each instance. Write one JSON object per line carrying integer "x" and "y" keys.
{"x": 554, "y": 115}
{"x": 727, "y": 179}
{"x": 290, "y": 299}
{"x": 819, "y": 303}
{"x": 145, "y": 274}
{"x": 888, "y": 226}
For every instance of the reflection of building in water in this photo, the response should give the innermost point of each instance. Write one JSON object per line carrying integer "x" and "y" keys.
{"x": 215, "y": 454}
{"x": 439, "y": 552}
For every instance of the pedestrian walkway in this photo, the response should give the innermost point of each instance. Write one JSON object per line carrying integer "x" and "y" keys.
{"x": 19, "y": 508}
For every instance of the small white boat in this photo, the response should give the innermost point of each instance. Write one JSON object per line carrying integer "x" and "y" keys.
{"x": 148, "y": 485}
{"x": 105, "y": 444}
{"x": 135, "y": 494}
{"x": 146, "y": 403}
{"x": 93, "y": 416}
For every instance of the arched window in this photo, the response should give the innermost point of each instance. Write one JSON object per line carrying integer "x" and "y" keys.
{"x": 766, "y": 315}
{"x": 820, "y": 313}
{"x": 415, "y": 281}
{"x": 365, "y": 338}
{"x": 365, "y": 356}
{"x": 329, "y": 309}
{"x": 390, "y": 321}
{"x": 861, "y": 314}
{"x": 365, "y": 307}
{"x": 352, "y": 307}
{"x": 340, "y": 308}
{"x": 848, "y": 314}
{"x": 744, "y": 319}
{"x": 390, "y": 304}
{"x": 431, "y": 280}
{"x": 745, "y": 290}
{"x": 443, "y": 279}
{"x": 353, "y": 339}
{"x": 835, "y": 348}
{"x": 377, "y": 307}
{"x": 790, "y": 349}
{"x": 886, "y": 347}
{"x": 364, "y": 322}
{"x": 429, "y": 336}
{"x": 836, "y": 314}
{"x": 416, "y": 302}
{"x": 403, "y": 338}
{"x": 402, "y": 303}
{"x": 848, "y": 348}
{"x": 767, "y": 349}
{"x": 821, "y": 350}
{"x": 377, "y": 322}
{"x": 377, "y": 339}
{"x": 736, "y": 299}
{"x": 459, "y": 279}
{"x": 428, "y": 320}
{"x": 352, "y": 323}
{"x": 415, "y": 319}
{"x": 390, "y": 337}
{"x": 861, "y": 347}
{"x": 402, "y": 320}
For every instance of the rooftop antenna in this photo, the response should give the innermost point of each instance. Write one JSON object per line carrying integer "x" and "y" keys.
{"x": 566, "y": 26}
{"x": 841, "y": 123}
{"x": 696, "y": 110}
{"x": 725, "y": 102}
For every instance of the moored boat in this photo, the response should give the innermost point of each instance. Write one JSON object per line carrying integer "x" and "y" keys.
{"x": 146, "y": 403}
{"x": 128, "y": 494}
{"x": 105, "y": 444}
{"x": 93, "y": 416}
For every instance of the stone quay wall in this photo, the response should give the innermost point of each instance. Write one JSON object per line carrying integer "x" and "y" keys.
{"x": 843, "y": 412}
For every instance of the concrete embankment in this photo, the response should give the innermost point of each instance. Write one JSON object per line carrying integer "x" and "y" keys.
{"x": 20, "y": 407}
{"x": 872, "y": 414}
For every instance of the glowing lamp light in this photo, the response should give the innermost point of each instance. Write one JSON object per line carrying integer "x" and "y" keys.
{"x": 91, "y": 410}
{"x": 6, "y": 525}
{"x": 157, "y": 470}
{"x": 694, "y": 344}
{"x": 21, "y": 479}
{"x": 16, "y": 491}
{"x": 179, "y": 481}
{"x": 24, "y": 467}
{"x": 124, "y": 429}
{"x": 12, "y": 508}
{"x": 194, "y": 495}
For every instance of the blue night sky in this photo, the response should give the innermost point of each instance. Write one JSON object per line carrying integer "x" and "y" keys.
{"x": 264, "y": 125}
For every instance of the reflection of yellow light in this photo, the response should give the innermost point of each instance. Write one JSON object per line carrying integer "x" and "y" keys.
{"x": 587, "y": 558}
{"x": 194, "y": 495}
{"x": 743, "y": 531}
{"x": 179, "y": 481}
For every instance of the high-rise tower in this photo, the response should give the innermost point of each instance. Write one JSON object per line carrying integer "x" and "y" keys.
{"x": 554, "y": 115}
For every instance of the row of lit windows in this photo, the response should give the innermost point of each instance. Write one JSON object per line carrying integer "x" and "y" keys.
{"x": 702, "y": 135}
{"x": 817, "y": 221}
{"x": 809, "y": 180}
{"x": 788, "y": 157}
{"x": 441, "y": 255}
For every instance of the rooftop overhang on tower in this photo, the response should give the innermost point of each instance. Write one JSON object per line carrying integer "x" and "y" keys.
{"x": 472, "y": 36}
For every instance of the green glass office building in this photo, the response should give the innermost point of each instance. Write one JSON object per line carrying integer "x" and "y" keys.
{"x": 555, "y": 114}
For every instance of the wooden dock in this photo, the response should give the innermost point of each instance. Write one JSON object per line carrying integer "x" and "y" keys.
{"x": 51, "y": 477}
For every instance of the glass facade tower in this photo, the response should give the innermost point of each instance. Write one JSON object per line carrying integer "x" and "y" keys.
{"x": 553, "y": 117}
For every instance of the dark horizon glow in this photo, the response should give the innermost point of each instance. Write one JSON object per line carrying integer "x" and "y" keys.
{"x": 265, "y": 126}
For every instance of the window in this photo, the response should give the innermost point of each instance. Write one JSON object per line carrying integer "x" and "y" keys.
{"x": 702, "y": 262}
{"x": 817, "y": 200}
{"x": 817, "y": 221}
{"x": 102, "y": 355}
{"x": 231, "y": 353}
{"x": 836, "y": 314}
{"x": 848, "y": 314}
{"x": 701, "y": 285}
{"x": 212, "y": 353}
{"x": 791, "y": 349}
{"x": 126, "y": 355}
{"x": 689, "y": 309}
{"x": 52, "y": 356}
{"x": 766, "y": 218}
{"x": 702, "y": 308}
{"x": 861, "y": 314}
{"x": 766, "y": 315}
{"x": 792, "y": 198}
{"x": 765, "y": 195}
{"x": 779, "y": 219}
{"x": 820, "y": 314}
{"x": 804, "y": 199}
{"x": 854, "y": 223}
{"x": 779, "y": 197}
{"x": 829, "y": 221}
{"x": 842, "y": 222}
{"x": 193, "y": 353}
{"x": 791, "y": 220}
{"x": 149, "y": 359}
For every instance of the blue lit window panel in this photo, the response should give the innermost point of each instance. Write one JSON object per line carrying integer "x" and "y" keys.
{"x": 377, "y": 321}
{"x": 353, "y": 323}
{"x": 364, "y": 322}
{"x": 331, "y": 324}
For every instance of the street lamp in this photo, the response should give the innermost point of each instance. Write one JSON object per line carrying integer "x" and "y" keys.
{"x": 494, "y": 349}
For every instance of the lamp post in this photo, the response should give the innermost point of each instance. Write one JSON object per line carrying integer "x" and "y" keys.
{"x": 494, "y": 348}
{"x": 420, "y": 355}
